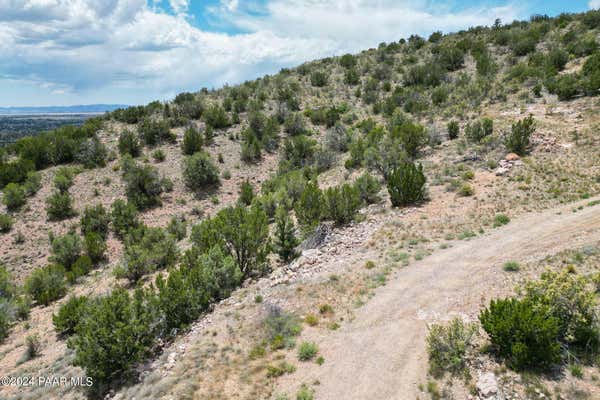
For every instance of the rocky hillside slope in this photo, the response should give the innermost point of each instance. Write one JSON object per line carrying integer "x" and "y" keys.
{"x": 296, "y": 235}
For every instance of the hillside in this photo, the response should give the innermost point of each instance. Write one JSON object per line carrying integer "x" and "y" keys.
{"x": 349, "y": 228}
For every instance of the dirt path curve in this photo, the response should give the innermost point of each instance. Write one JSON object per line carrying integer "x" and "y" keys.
{"x": 381, "y": 354}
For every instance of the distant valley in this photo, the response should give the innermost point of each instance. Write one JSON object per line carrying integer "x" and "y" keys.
{"x": 16, "y": 122}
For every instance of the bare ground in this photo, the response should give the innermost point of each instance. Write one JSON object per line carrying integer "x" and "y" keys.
{"x": 381, "y": 354}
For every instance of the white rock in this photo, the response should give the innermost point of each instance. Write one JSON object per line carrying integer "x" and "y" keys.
{"x": 487, "y": 385}
{"x": 502, "y": 171}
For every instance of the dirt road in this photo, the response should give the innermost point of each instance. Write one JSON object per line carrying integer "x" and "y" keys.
{"x": 382, "y": 354}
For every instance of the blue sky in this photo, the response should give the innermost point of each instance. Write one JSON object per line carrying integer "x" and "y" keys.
{"x": 62, "y": 52}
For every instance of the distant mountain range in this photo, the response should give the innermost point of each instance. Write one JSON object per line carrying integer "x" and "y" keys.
{"x": 77, "y": 109}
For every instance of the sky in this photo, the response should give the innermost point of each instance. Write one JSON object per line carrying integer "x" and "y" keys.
{"x": 66, "y": 52}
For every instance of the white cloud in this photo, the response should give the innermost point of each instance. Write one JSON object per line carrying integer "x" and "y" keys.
{"x": 179, "y": 6}
{"x": 230, "y": 5}
{"x": 92, "y": 45}
{"x": 593, "y": 4}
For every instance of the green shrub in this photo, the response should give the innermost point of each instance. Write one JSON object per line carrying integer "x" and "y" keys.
{"x": 32, "y": 348}
{"x": 451, "y": 58}
{"x": 59, "y": 206}
{"x": 192, "y": 141}
{"x": 406, "y": 184}
{"x": 129, "y": 143}
{"x": 46, "y": 284}
{"x": 453, "y": 130}
{"x": 348, "y": 61}
{"x": 13, "y": 196}
{"x": 246, "y": 193}
{"x": 309, "y": 208}
{"x": 522, "y": 45}
{"x": 305, "y": 393}
{"x": 368, "y": 188}
{"x": 155, "y": 132}
{"x": 519, "y": 138}
{"x": 95, "y": 246}
{"x": 92, "y": 153}
{"x": 147, "y": 250}
{"x": 524, "y": 333}
{"x": 81, "y": 267}
{"x": 15, "y": 171}
{"x": 159, "y": 155}
{"x": 188, "y": 291}
{"x": 571, "y": 302}
{"x": 281, "y": 327}
{"x": 439, "y": 95}
{"x": 251, "y": 147}
{"x": 466, "y": 190}
{"x": 70, "y": 314}
{"x": 274, "y": 371}
{"x": 341, "y": 203}
{"x": 33, "y": 183}
{"x": 6, "y": 223}
{"x": 5, "y": 320}
{"x": 501, "y": 219}
{"x": 143, "y": 185}
{"x": 213, "y": 271}
{"x": 216, "y": 117}
{"x": 123, "y": 217}
{"x": 7, "y": 288}
{"x": 63, "y": 179}
{"x": 95, "y": 219}
{"x": 240, "y": 232}
{"x": 307, "y": 351}
{"x": 177, "y": 227}
{"x": 591, "y": 74}
{"x": 511, "y": 266}
{"x": 428, "y": 75}
{"x": 351, "y": 77}
{"x": 556, "y": 59}
{"x": 199, "y": 171}
{"x": 298, "y": 152}
{"x": 338, "y": 138}
{"x": 478, "y": 130}
{"x": 66, "y": 249}
{"x": 285, "y": 237}
{"x": 447, "y": 346}
{"x": 319, "y": 79}
{"x": 412, "y": 137}
{"x": 566, "y": 86}
{"x": 294, "y": 124}
{"x": 114, "y": 335}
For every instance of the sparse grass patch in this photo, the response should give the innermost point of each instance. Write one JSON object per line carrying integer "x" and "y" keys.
{"x": 311, "y": 320}
{"x": 257, "y": 351}
{"x": 307, "y": 351}
{"x": 274, "y": 371}
{"x": 466, "y": 235}
{"x": 369, "y": 264}
{"x": 325, "y": 309}
{"x": 447, "y": 346}
{"x": 501, "y": 219}
{"x": 305, "y": 393}
{"x": 433, "y": 390}
{"x": 511, "y": 266}
{"x": 576, "y": 370}
{"x": 281, "y": 327}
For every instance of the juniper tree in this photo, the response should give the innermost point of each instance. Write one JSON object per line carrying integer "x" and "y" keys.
{"x": 406, "y": 184}
{"x": 285, "y": 237}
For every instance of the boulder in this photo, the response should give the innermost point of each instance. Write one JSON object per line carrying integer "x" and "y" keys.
{"x": 487, "y": 386}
